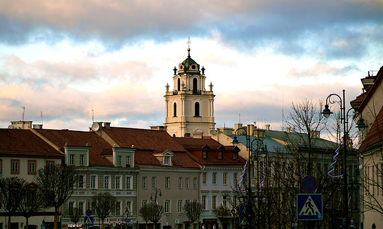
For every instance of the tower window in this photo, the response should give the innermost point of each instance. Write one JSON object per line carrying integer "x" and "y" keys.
{"x": 175, "y": 110}
{"x": 195, "y": 85}
{"x": 179, "y": 84}
{"x": 196, "y": 109}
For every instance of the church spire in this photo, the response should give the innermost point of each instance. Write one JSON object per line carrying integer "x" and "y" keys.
{"x": 189, "y": 41}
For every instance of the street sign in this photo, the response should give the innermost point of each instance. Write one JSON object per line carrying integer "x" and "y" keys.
{"x": 309, "y": 184}
{"x": 88, "y": 212}
{"x": 294, "y": 225}
{"x": 88, "y": 220}
{"x": 242, "y": 216}
{"x": 42, "y": 226}
{"x": 309, "y": 207}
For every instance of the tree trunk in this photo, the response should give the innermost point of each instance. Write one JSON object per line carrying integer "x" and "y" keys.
{"x": 26, "y": 222}
{"x": 9, "y": 221}
{"x": 102, "y": 223}
{"x": 55, "y": 218}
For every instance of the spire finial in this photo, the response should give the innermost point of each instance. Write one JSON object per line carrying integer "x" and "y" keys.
{"x": 189, "y": 42}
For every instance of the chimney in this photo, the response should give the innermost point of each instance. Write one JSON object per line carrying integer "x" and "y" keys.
{"x": 288, "y": 130}
{"x": 37, "y": 126}
{"x": 250, "y": 129}
{"x": 267, "y": 127}
{"x": 237, "y": 126}
{"x": 107, "y": 125}
{"x": 187, "y": 135}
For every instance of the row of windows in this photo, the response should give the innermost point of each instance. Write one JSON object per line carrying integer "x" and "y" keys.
{"x": 167, "y": 205}
{"x": 214, "y": 202}
{"x": 119, "y": 209}
{"x": 196, "y": 110}
{"x": 214, "y": 178}
{"x": 180, "y": 183}
{"x": 106, "y": 182}
{"x": 194, "y": 83}
{"x": 31, "y": 166}
{"x": 81, "y": 159}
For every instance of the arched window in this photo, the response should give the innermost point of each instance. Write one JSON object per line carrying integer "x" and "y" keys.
{"x": 179, "y": 84}
{"x": 195, "y": 85}
{"x": 196, "y": 109}
{"x": 175, "y": 110}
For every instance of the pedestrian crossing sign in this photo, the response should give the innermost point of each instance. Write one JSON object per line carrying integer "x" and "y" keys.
{"x": 309, "y": 207}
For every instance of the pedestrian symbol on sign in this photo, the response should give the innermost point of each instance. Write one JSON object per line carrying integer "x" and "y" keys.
{"x": 309, "y": 208}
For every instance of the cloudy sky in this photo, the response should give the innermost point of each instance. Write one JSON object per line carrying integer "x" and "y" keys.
{"x": 65, "y": 58}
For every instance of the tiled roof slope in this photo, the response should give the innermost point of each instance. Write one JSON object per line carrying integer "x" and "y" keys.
{"x": 372, "y": 89}
{"x": 150, "y": 142}
{"x": 80, "y": 138}
{"x": 143, "y": 139}
{"x": 195, "y": 145}
{"x": 375, "y": 134}
{"x": 25, "y": 143}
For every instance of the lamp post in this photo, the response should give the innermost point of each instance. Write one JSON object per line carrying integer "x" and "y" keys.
{"x": 249, "y": 211}
{"x": 343, "y": 119}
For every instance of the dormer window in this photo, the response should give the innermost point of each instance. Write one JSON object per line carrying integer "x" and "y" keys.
{"x": 204, "y": 154}
{"x": 235, "y": 156}
{"x": 166, "y": 158}
{"x": 220, "y": 155}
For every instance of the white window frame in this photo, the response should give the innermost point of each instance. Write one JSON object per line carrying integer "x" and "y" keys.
{"x": 144, "y": 182}
{"x": 167, "y": 182}
{"x": 204, "y": 202}
{"x": 180, "y": 180}
{"x": 187, "y": 182}
{"x": 118, "y": 182}
{"x": 214, "y": 178}
{"x": 204, "y": 178}
{"x": 82, "y": 159}
{"x": 95, "y": 177}
{"x": 118, "y": 208}
{"x": 167, "y": 206}
{"x": 195, "y": 181}
{"x": 71, "y": 159}
{"x": 106, "y": 181}
{"x": 129, "y": 182}
{"x": 81, "y": 184}
{"x": 179, "y": 206}
{"x": 224, "y": 178}
{"x": 154, "y": 182}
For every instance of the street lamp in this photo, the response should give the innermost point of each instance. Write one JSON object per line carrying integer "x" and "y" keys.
{"x": 343, "y": 119}
{"x": 249, "y": 147}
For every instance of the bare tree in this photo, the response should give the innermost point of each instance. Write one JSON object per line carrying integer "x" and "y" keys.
{"x": 145, "y": 213}
{"x": 56, "y": 183}
{"x": 103, "y": 204}
{"x": 74, "y": 215}
{"x": 221, "y": 213}
{"x": 12, "y": 191}
{"x": 157, "y": 212}
{"x": 193, "y": 211}
{"x": 31, "y": 201}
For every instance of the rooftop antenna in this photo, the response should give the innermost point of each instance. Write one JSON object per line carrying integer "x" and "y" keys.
{"x": 42, "y": 118}
{"x": 92, "y": 114}
{"x": 22, "y": 117}
{"x": 239, "y": 118}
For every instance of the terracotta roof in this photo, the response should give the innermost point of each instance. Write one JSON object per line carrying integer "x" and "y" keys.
{"x": 80, "y": 138}
{"x": 143, "y": 139}
{"x": 375, "y": 134}
{"x": 195, "y": 145}
{"x": 372, "y": 89}
{"x": 358, "y": 100}
{"x": 25, "y": 143}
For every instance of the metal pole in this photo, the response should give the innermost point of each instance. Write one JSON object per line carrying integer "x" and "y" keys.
{"x": 250, "y": 207}
{"x": 345, "y": 136}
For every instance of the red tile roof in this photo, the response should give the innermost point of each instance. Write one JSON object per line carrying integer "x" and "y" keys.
{"x": 375, "y": 134}
{"x": 80, "y": 138}
{"x": 149, "y": 142}
{"x": 196, "y": 145}
{"x": 143, "y": 139}
{"x": 16, "y": 142}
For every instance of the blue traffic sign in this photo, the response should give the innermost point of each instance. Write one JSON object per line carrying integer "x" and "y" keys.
{"x": 88, "y": 220}
{"x": 309, "y": 207}
{"x": 309, "y": 184}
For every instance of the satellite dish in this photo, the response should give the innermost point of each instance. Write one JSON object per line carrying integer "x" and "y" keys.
{"x": 213, "y": 132}
{"x": 95, "y": 126}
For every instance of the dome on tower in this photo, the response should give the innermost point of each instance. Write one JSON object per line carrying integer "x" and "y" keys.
{"x": 189, "y": 64}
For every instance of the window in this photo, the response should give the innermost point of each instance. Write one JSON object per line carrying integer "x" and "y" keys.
{"x": 204, "y": 178}
{"x": 167, "y": 206}
{"x": 214, "y": 178}
{"x": 127, "y": 161}
{"x": 194, "y": 182}
{"x": 154, "y": 182}
{"x": 175, "y": 110}
{"x": 82, "y": 161}
{"x": 235, "y": 156}
{"x": 118, "y": 208}
{"x": 70, "y": 208}
{"x": 179, "y": 182}
{"x": 204, "y": 202}
{"x": 179, "y": 206}
{"x": 129, "y": 184}
{"x": 50, "y": 165}
{"x": 118, "y": 182}
{"x": 214, "y": 202}
{"x": 187, "y": 185}
{"x": 224, "y": 180}
{"x": 224, "y": 200}
{"x": 129, "y": 207}
{"x": 196, "y": 109}
{"x": 167, "y": 182}
{"x": 195, "y": 85}
{"x": 80, "y": 181}
{"x": 143, "y": 203}
{"x": 178, "y": 84}
{"x": 32, "y": 166}
{"x": 235, "y": 179}
{"x": 81, "y": 208}
{"x": 144, "y": 182}
{"x": 220, "y": 155}
{"x": 93, "y": 182}
{"x": 166, "y": 160}
{"x": 71, "y": 159}
{"x": 106, "y": 182}
{"x": 118, "y": 160}
{"x": 204, "y": 154}
{"x": 15, "y": 166}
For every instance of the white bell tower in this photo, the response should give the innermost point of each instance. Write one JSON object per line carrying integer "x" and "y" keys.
{"x": 189, "y": 107}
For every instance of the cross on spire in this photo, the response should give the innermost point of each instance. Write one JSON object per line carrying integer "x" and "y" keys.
{"x": 189, "y": 42}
